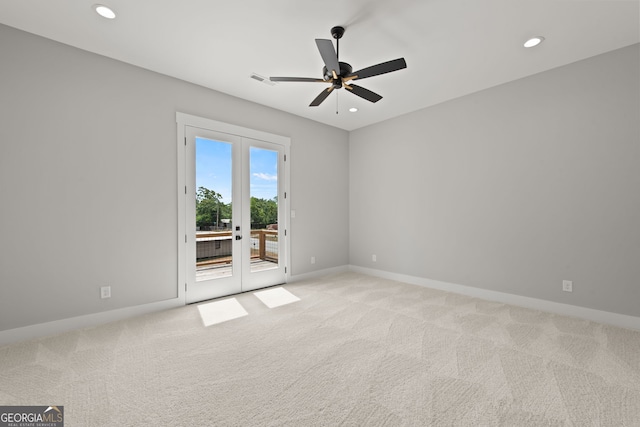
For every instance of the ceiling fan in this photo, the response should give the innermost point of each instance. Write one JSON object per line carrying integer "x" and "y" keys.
{"x": 340, "y": 74}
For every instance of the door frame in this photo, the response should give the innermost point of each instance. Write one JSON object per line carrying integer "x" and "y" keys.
{"x": 186, "y": 120}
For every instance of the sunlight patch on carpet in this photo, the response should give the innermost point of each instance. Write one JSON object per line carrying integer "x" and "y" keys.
{"x": 221, "y": 311}
{"x": 276, "y": 297}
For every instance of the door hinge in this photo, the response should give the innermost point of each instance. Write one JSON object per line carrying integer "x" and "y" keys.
{"x": 185, "y": 238}
{"x": 285, "y": 232}
{"x": 185, "y": 189}
{"x": 285, "y": 194}
{"x": 285, "y": 270}
{"x": 185, "y": 287}
{"x": 285, "y": 157}
{"x": 185, "y": 141}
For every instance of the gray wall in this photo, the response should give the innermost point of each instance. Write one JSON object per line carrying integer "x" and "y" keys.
{"x": 88, "y": 180}
{"x": 511, "y": 189}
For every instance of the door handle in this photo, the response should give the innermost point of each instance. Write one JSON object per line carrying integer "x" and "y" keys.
{"x": 238, "y": 237}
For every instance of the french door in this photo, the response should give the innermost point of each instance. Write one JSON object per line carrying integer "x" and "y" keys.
{"x": 235, "y": 216}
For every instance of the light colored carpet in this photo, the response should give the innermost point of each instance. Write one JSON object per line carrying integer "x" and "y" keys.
{"x": 353, "y": 351}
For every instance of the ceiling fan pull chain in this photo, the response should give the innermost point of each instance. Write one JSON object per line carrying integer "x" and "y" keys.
{"x": 336, "y": 102}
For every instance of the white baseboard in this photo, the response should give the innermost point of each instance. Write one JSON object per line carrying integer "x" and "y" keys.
{"x": 64, "y": 325}
{"x": 95, "y": 319}
{"x": 318, "y": 274}
{"x": 621, "y": 320}
{"x": 86, "y": 321}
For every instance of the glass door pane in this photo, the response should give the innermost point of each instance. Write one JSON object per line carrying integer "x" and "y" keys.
{"x": 264, "y": 212}
{"x": 214, "y": 215}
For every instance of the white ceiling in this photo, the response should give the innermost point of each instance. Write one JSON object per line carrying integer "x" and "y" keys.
{"x": 452, "y": 47}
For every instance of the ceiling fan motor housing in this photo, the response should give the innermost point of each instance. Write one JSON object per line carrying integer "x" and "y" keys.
{"x": 345, "y": 70}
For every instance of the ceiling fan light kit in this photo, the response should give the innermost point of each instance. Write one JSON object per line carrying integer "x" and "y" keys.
{"x": 340, "y": 74}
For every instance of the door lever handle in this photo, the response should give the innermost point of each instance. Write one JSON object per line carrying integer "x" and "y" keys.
{"x": 238, "y": 237}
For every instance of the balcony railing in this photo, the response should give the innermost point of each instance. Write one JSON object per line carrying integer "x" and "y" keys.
{"x": 264, "y": 245}
{"x": 215, "y": 247}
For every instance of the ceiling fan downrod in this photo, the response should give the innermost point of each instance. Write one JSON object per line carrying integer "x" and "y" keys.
{"x": 337, "y": 33}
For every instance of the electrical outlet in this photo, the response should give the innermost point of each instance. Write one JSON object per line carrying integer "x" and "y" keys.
{"x": 374, "y": 258}
{"x": 105, "y": 292}
{"x": 567, "y": 285}
{"x": 313, "y": 260}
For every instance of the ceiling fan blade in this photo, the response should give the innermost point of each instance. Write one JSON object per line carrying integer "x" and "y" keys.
{"x": 383, "y": 68}
{"x": 363, "y": 93}
{"x": 296, "y": 79}
{"x": 329, "y": 55}
{"x": 323, "y": 95}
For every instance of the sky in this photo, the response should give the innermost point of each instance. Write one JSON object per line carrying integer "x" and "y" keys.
{"x": 213, "y": 169}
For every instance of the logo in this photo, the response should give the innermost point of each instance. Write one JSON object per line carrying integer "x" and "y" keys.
{"x": 31, "y": 416}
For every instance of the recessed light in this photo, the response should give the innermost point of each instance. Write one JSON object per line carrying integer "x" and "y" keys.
{"x": 353, "y": 109}
{"x": 104, "y": 11}
{"x": 534, "y": 41}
